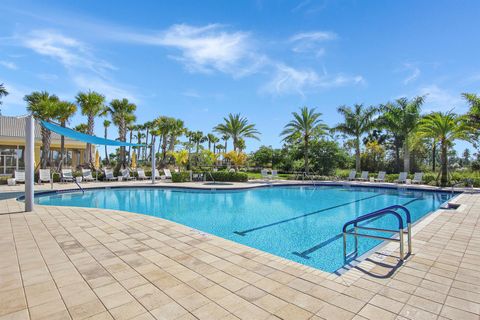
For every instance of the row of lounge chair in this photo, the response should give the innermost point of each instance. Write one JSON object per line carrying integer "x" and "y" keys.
{"x": 267, "y": 176}
{"x": 45, "y": 175}
{"x": 402, "y": 177}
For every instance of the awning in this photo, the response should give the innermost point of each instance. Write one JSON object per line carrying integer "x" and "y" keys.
{"x": 72, "y": 134}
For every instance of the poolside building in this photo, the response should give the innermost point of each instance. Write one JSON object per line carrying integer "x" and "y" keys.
{"x": 12, "y": 146}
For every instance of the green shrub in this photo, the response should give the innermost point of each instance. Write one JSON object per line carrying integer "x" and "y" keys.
{"x": 180, "y": 176}
{"x": 228, "y": 176}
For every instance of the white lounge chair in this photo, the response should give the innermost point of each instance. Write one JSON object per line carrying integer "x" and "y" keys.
{"x": 126, "y": 174}
{"x": 264, "y": 173}
{"x": 380, "y": 177}
{"x": 402, "y": 178}
{"x": 87, "y": 175}
{"x": 109, "y": 175}
{"x": 363, "y": 176}
{"x": 141, "y": 174}
{"x": 157, "y": 175}
{"x": 274, "y": 174}
{"x": 352, "y": 175}
{"x": 67, "y": 175}
{"x": 44, "y": 176}
{"x": 418, "y": 177}
{"x": 168, "y": 174}
{"x": 19, "y": 176}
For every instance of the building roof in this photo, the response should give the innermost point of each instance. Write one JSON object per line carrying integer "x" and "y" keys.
{"x": 14, "y": 127}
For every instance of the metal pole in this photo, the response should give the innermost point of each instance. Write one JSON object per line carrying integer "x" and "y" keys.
{"x": 29, "y": 159}
{"x": 402, "y": 252}
{"x": 409, "y": 238}
{"x": 153, "y": 160}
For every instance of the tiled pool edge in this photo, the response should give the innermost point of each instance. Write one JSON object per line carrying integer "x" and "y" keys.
{"x": 351, "y": 273}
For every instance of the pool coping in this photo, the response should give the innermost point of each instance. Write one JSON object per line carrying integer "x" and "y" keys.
{"x": 339, "y": 274}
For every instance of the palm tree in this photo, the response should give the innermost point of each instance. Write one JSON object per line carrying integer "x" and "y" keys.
{"x": 225, "y": 138}
{"x": 214, "y": 140}
{"x": 66, "y": 110}
{"x": 43, "y": 106}
{"x": 236, "y": 127}
{"x": 106, "y": 124}
{"x": 82, "y": 127}
{"x": 148, "y": 127}
{"x": 197, "y": 138}
{"x": 92, "y": 105}
{"x": 357, "y": 121}
{"x": 131, "y": 128}
{"x": 406, "y": 116}
{"x": 176, "y": 130}
{"x": 306, "y": 124}
{"x": 445, "y": 127}
{"x": 473, "y": 115}
{"x": 3, "y": 93}
{"x": 122, "y": 115}
{"x": 163, "y": 127}
{"x": 210, "y": 138}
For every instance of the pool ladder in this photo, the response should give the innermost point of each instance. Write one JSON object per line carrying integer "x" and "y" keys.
{"x": 391, "y": 210}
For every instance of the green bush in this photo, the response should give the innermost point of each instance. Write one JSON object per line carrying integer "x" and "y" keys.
{"x": 180, "y": 176}
{"x": 228, "y": 176}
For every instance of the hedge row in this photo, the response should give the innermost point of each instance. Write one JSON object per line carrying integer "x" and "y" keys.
{"x": 228, "y": 176}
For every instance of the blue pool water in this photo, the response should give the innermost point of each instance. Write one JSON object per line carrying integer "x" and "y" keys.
{"x": 300, "y": 223}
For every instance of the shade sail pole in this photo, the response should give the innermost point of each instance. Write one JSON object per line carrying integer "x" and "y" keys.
{"x": 29, "y": 162}
{"x": 153, "y": 160}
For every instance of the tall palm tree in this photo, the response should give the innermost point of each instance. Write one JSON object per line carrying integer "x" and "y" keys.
{"x": 122, "y": 113}
{"x": 147, "y": 126}
{"x": 92, "y": 104}
{"x": 236, "y": 127}
{"x": 210, "y": 138}
{"x": 406, "y": 114}
{"x": 473, "y": 116}
{"x": 131, "y": 128}
{"x": 66, "y": 110}
{"x": 445, "y": 127}
{"x": 306, "y": 124}
{"x": 163, "y": 127}
{"x": 197, "y": 138}
{"x": 43, "y": 106}
{"x": 214, "y": 140}
{"x": 225, "y": 138}
{"x": 176, "y": 130}
{"x": 106, "y": 124}
{"x": 357, "y": 121}
{"x": 3, "y": 93}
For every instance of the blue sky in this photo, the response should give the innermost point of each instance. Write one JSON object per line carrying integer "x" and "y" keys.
{"x": 200, "y": 60}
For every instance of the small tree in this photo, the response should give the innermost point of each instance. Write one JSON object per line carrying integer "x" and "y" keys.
{"x": 236, "y": 158}
{"x": 181, "y": 158}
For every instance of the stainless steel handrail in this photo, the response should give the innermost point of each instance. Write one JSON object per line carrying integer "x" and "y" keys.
{"x": 390, "y": 211}
{"x": 78, "y": 185}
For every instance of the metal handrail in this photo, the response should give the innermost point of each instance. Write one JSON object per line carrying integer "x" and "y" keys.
{"x": 306, "y": 175}
{"x": 388, "y": 210}
{"x": 78, "y": 185}
{"x": 211, "y": 176}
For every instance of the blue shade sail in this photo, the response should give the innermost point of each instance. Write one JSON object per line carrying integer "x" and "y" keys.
{"x": 72, "y": 134}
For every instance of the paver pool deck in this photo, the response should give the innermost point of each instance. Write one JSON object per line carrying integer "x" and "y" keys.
{"x": 87, "y": 263}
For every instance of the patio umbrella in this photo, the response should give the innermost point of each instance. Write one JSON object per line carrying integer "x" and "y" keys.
{"x": 133, "y": 165}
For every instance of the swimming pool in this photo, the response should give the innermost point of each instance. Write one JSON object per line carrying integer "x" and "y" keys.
{"x": 300, "y": 223}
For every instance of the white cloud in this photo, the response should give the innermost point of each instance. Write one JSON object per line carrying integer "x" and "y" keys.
{"x": 9, "y": 65}
{"x": 288, "y": 80}
{"x": 438, "y": 99}
{"x": 308, "y": 42}
{"x": 414, "y": 73}
{"x": 205, "y": 49}
{"x": 104, "y": 86}
{"x": 68, "y": 51}
{"x": 14, "y": 100}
